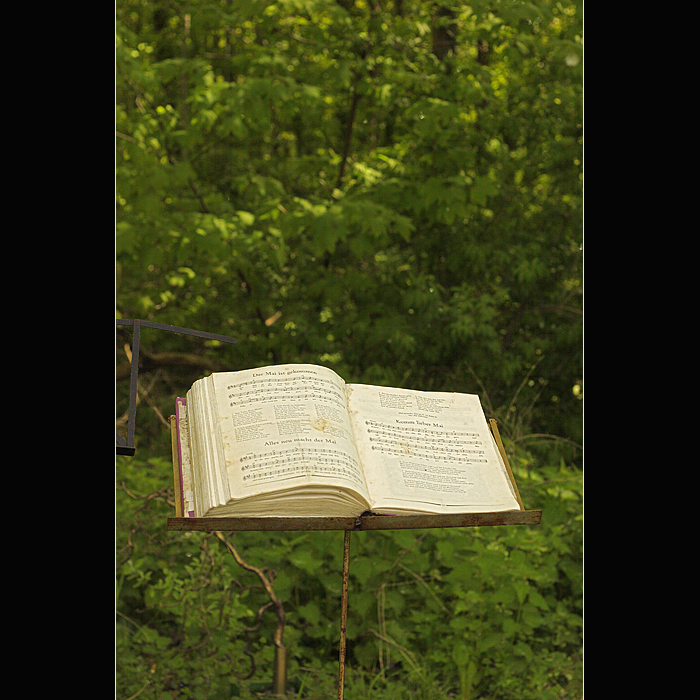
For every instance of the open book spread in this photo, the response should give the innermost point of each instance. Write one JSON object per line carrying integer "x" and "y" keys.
{"x": 292, "y": 440}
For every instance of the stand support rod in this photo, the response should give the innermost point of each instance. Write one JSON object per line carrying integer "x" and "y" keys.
{"x": 133, "y": 386}
{"x": 344, "y": 614}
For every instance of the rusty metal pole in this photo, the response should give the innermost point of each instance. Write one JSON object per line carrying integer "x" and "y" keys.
{"x": 344, "y": 614}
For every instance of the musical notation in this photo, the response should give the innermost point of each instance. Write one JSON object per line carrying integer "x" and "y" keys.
{"x": 265, "y": 396}
{"x": 434, "y": 455}
{"x": 282, "y": 381}
{"x": 299, "y": 461}
{"x": 425, "y": 433}
{"x": 436, "y": 445}
{"x": 275, "y": 389}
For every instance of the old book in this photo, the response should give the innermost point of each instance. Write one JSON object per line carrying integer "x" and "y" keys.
{"x": 296, "y": 440}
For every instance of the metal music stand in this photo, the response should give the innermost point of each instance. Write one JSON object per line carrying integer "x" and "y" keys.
{"x": 126, "y": 447}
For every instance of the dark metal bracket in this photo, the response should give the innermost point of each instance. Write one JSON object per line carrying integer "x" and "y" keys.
{"x": 126, "y": 447}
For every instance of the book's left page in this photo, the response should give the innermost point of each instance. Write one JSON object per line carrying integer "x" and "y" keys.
{"x": 286, "y": 427}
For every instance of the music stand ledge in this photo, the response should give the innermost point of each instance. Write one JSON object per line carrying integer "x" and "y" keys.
{"x": 361, "y": 523}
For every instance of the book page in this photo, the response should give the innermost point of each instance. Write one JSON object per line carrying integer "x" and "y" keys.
{"x": 427, "y": 451}
{"x": 285, "y": 426}
{"x": 210, "y": 483}
{"x": 183, "y": 434}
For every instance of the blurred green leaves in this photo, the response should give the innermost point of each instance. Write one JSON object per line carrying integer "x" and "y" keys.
{"x": 316, "y": 180}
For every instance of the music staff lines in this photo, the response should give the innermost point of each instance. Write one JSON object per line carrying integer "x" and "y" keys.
{"x": 420, "y": 430}
{"x": 435, "y": 455}
{"x": 395, "y": 436}
{"x": 291, "y": 381}
{"x": 317, "y": 461}
{"x": 423, "y": 443}
{"x": 265, "y": 395}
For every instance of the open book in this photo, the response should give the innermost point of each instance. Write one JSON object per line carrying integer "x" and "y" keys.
{"x": 296, "y": 440}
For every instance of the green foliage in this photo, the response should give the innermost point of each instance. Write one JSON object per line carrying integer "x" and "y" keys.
{"x": 318, "y": 160}
{"x": 393, "y": 190}
{"x": 489, "y": 612}
{"x": 180, "y": 612}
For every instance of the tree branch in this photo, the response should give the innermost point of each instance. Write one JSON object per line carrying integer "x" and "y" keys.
{"x": 181, "y": 359}
{"x": 267, "y": 585}
{"x": 349, "y": 126}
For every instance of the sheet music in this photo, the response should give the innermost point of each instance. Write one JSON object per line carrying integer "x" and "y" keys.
{"x": 284, "y": 425}
{"x": 427, "y": 448}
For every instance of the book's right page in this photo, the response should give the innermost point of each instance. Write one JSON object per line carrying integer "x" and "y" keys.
{"x": 430, "y": 452}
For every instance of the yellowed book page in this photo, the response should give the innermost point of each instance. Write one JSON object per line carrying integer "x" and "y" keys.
{"x": 210, "y": 484}
{"x": 185, "y": 464}
{"x": 427, "y": 451}
{"x": 286, "y": 426}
